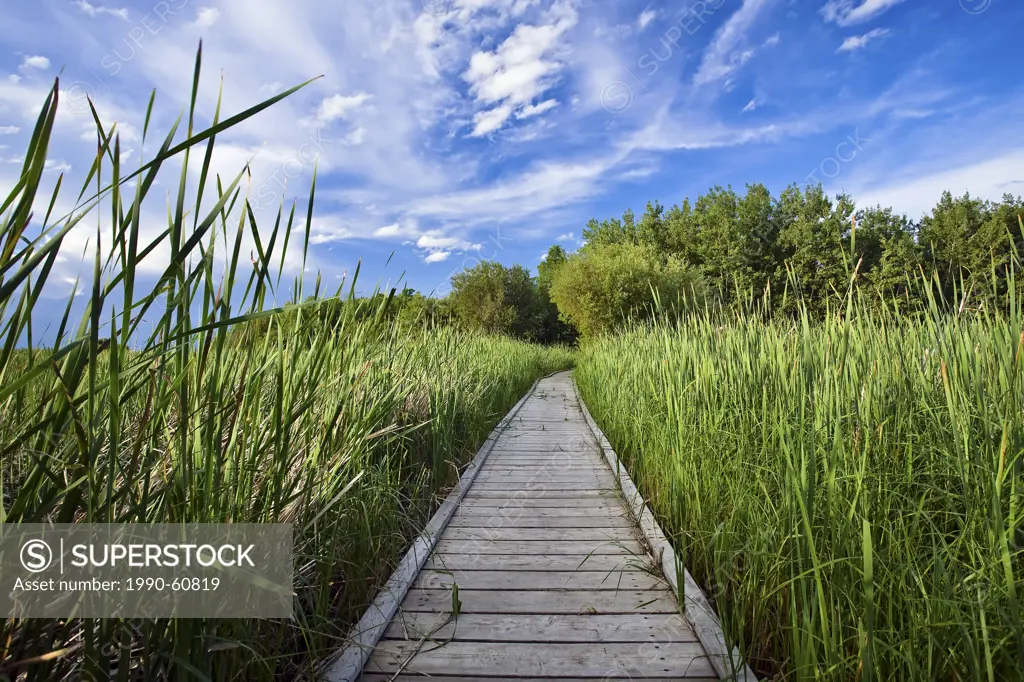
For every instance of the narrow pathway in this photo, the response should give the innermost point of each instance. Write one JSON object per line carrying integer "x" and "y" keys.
{"x": 552, "y": 580}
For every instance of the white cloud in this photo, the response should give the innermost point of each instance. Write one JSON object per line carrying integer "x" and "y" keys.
{"x": 920, "y": 191}
{"x": 728, "y": 50}
{"x": 646, "y": 18}
{"x": 397, "y": 230}
{"x": 56, "y": 166}
{"x": 207, "y": 17}
{"x": 357, "y": 136}
{"x": 849, "y": 12}
{"x": 437, "y": 242}
{"x": 437, "y": 257}
{"x": 567, "y": 237}
{"x": 535, "y": 110}
{"x": 751, "y": 105}
{"x": 35, "y": 62}
{"x": 96, "y": 10}
{"x": 9, "y": 130}
{"x": 339, "y": 106}
{"x": 773, "y": 40}
{"x": 328, "y": 229}
{"x": 520, "y": 70}
{"x": 14, "y": 78}
{"x": 486, "y": 122}
{"x": 539, "y": 189}
{"x": 854, "y": 43}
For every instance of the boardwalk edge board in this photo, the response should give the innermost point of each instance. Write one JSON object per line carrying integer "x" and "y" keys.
{"x": 697, "y": 611}
{"x": 365, "y": 635}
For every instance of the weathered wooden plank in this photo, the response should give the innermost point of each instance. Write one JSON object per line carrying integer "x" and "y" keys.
{"x": 588, "y": 457}
{"x": 548, "y": 444}
{"x": 540, "y": 522}
{"x": 556, "y": 485}
{"x": 513, "y": 482}
{"x": 520, "y": 481}
{"x": 567, "y": 461}
{"x": 601, "y": 534}
{"x": 563, "y": 434}
{"x": 540, "y": 580}
{"x": 543, "y": 601}
{"x": 551, "y": 468}
{"x": 370, "y": 677}
{"x": 563, "y": 469}
{"x": 539, "y": 447}
{"x": 539, "y": 494}
{"x": 555, "y": 431}
{"x": 685, "y": 659}
{"x": 536, "y": 562}
{"x": 542, "y": 503}
{"x": 551, "y": 476}
{"x": 600, "y": 628}
{"x": 482, "y": 546}
{"x": 512, "y": 486}
{"x": 571, "y": 435}
{"x": 562, "y": 461}
{"x": 512, "y": 511}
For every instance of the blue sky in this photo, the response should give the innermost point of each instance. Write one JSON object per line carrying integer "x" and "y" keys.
{"x": 449, "y": 131}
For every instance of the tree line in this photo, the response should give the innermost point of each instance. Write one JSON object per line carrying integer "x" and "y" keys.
{"x": 800, "y": 251}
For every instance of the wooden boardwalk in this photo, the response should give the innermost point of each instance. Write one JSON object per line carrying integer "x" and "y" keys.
{"x": 552, "y": 580}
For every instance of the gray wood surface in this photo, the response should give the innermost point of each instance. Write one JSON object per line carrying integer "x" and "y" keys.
{"x": 611, "y": 677}
{"x": 487, "y": 627}
{"x": 596, "y": 660}
{"x": 540, "y": 580}
{"x": 603, "y": 534}
{"x": 538, "y": 562}
{"x": 539, "y": 547}
{"x": 540, "y": 574}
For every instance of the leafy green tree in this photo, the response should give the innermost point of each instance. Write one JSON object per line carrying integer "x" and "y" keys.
{"x": 813, "y": 244}
{"x": 683, "y": 234}
{"x": 612, "y": 231}
{"x": 951, "y": 243}
{"x": 415, "y": 311}
{"x": 653, "y": 229}
{"x": 496, "y": 299}
{"x": 601, "y": 287}
{"x": 552, "y": 329}
{"x": 884, "y": 247}
{"x": 731, "y": 239}
{"x": 550, "y": 266}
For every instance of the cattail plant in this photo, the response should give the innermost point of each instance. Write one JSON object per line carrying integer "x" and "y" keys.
{"x": 198, "y": 396}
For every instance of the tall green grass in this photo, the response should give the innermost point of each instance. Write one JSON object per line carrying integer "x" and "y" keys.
{"x": 850, "y": 493}
{"x": 234, "y": 409}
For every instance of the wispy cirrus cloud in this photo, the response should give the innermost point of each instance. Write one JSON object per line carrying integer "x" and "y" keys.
{"x": 850, "y": 12}
{"x": 854, "y": 43}
{"x": 97, "y": 10}
{"x": 730, "y": 48}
